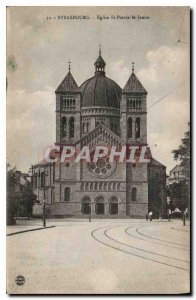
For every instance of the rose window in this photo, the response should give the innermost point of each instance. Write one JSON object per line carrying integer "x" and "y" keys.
{"x": 102, "y": 168}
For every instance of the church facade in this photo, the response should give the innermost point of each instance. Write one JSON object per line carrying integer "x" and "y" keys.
{"x": 99, "y": 112}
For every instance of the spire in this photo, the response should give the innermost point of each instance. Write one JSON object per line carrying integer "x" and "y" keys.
{"x": 100, "y": 64}
{"x": 68, "y": 84}
{"x": 133, "y": 85}
{"x": 99, "y": 49}
{"x": 133, "y": 68}
{"x": 69, "y": 66}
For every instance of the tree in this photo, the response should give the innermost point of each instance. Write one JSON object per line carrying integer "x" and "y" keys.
{"x": 178, "y": 195}
{"x": 182, "y": 154}
{"x": 11, "y": 183}
{"x": 20, "y": 197}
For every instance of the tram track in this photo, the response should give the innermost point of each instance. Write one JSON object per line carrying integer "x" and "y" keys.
{"x": 153, "y": 242}
{"x": 131, "y": 250}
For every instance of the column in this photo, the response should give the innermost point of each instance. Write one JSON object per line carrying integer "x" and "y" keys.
{"x": 107, "y": 208}
{"x": 92, "y": 209}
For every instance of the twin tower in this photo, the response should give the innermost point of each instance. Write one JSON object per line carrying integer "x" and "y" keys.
{"x": 100, "y": 100}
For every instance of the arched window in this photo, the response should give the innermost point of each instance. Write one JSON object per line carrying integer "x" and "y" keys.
{"x": 134, "y": 194}
{"x": 67, "y": 194}
{"x": 115, "y": 128}
{"x": 105, "y": 186}
{"x": 63, "y": 127}
{"x": 35, "y": 180}
{"x": 83, "y": 127}
{"x": 87, "y": 127}
{"x": 133, "y": 103}
{"x": 111, "y": 126}
{"x": 129, "y": 128}
{"x": 71, "y": 127}
{"x": 42, "y": 179}
{"x": 137, "y": 128}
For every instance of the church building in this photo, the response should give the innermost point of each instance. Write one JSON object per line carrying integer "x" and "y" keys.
{"x": 100, "y": 112}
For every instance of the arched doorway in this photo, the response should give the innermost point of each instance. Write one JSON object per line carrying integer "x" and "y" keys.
{"x": 86, "y": 205}
{"x": 114, "y": 206}
{"x": 99, "y": 205}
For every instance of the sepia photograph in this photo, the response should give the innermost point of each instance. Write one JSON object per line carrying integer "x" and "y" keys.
{"x": 98, "y": 150}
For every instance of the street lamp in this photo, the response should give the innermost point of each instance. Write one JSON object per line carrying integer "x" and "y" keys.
{"x": 44, "y": 200}
{"x": 44, "y": 213}
{"x": 89, "y": 212}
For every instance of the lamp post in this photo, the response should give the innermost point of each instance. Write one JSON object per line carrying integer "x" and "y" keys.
{"x": 44, "y": 200}
{"x": 89, "y": 212}
{"x": 44, "y": 213}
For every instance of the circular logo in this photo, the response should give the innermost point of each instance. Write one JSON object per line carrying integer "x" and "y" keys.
{"x": 20, "y": 280}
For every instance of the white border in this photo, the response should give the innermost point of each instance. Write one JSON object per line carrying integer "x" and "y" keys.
{"x": 3, "y": 5}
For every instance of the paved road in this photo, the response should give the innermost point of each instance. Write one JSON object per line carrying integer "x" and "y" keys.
{"x": 105, "y": 256}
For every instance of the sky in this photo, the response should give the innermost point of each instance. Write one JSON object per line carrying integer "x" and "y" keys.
{"x": 38, "y": 51}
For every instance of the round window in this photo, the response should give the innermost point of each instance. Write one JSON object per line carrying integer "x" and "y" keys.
{"x": 102, "y": 168}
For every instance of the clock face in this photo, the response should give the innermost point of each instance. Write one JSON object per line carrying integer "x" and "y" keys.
{"x": 102, "y": 168}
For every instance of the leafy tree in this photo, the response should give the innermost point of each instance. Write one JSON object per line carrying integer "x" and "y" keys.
{"x": 20, "y": 197}
{"x": 11, "y": 183}
{"x": 178, "y": 193}
{"x": 182, "y": 189}
{"x": 183, "y": 154}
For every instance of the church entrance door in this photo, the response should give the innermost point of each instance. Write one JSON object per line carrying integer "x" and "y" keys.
{"x": 86, "y": 205}
{"x": 86, "y": 208}
{"x": 100, "y": 209}
{"x": 114, "y": 208}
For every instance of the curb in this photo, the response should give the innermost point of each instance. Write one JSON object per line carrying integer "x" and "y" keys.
{"x": 28, "y": 230}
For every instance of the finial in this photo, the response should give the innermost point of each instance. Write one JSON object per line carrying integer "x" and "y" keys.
{"x": 132, "y": 67}
{"x": 69, "y": 65}
{"x": 99, "y": 49}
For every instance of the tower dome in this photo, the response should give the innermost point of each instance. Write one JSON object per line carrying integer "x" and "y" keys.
{"x": 100, "y": 90}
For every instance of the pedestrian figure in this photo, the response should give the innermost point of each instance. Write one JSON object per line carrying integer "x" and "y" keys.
{"x": 146, "y": 217}
{"x": 169, "y": 215}
{"x": 150, "y": 215}
{"x": 89, "y": 213}
{"x": 184, "y": 218}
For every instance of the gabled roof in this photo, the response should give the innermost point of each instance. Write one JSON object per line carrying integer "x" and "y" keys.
{"x": 68, "y": 84}
{"x": 43, "y": 162}
{"x": 155, "y": 163}
{"x": 177, "y": 168}
{"x": 100, "y": 133}
{"x": 133, "y": 85}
